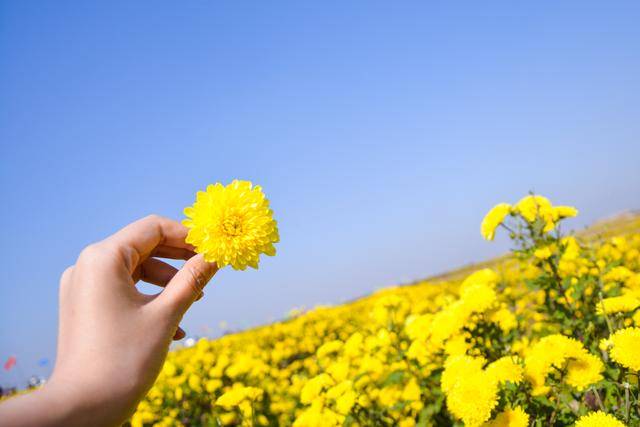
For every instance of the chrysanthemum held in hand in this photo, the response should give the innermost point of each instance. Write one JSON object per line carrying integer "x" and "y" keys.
{"x": 232, "y": 225}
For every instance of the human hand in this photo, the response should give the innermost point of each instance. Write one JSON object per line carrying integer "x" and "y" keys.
{"x": 112, "y": 338}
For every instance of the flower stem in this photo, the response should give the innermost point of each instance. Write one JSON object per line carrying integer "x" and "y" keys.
{"x": 626, "y": 401}
{"x": 606, "y": 316}
{"x": 598, "y": 398}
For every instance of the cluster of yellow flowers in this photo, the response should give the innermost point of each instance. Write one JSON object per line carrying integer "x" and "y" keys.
{"x": 547, "y": 336}
{"x": 531, "y": 208}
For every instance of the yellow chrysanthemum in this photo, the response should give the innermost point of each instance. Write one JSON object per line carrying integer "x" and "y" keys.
{"x": 473, "y": 399}
{"x": 506, "y": 369}
{"x": 458, "y": 367}
{"x": 329, "y": 347}
{"x": 560, "y": 212}
{"x": 534, "y": 206}
{"x": 504, "y": 318}
{"x": 605, "y": 344}
{"x": 448, "y": 321}
{"x": 493, "y": 219}
{"x": 478, "y": 298}
{"x": 543, "y": 253}
{"x": 232, "y": 225}
{"x": 599, "y": 419}
{"x": 510, "y": 418}
{"x": 584, "y": 371}
{"x": 626, "y": 348}
{"x": 571, "y": 248}
{"x": 617, "y": 274}
{"x": 339, "y": 389}
{"x": 237, "y": 395}
{"x": 551, "y": 351}
{"x": 485, "y": 276}
{"x": 345, "y": 402}
{"x": 318, "y": 416}
{"x": 314, "y": 387}
{"x": 411, "y": 391}
{"x": 457, "y": 345}
{"x": 633, "y": 282}
{"x": 621, "y": 304}
{"x": 471, "y": 392}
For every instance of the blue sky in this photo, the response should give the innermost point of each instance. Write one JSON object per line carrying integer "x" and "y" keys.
{"x": 381, "y": 132}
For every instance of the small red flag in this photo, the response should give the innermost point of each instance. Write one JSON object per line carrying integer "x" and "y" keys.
{"x": 10, "y": 363}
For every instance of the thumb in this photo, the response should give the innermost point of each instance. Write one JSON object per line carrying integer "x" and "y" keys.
{"x": 187, "y": 284}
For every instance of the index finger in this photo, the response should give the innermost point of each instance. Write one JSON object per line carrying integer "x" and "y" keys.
{"x": 140, "y": 238}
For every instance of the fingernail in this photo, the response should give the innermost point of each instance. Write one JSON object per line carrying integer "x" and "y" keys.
{"x": 180, "y": 333}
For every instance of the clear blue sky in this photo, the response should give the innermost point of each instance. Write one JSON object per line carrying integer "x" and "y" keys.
{"x": 381, "y": 131}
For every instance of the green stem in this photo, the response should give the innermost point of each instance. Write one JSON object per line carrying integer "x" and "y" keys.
{"x": 626, "y": 401}
{"x": 507, "y": 228}
{"x": 606, "y": 316}
{"x": 560, "y": 399}
{"x": 598, "y": 400}
{"x": 254, "y": 420}
{"x": 556, "y": 276}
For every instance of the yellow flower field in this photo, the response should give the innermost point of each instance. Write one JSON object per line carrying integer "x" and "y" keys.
{"x": 547, "y": 336}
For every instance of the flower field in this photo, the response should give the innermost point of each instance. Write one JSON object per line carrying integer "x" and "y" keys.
{"x": 549, "y": 335}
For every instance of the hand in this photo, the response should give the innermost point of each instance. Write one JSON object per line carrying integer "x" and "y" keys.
{"x": 113, "y": 339}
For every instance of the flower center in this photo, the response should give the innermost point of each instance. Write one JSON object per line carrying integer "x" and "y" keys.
{"x": 232, "y": 226}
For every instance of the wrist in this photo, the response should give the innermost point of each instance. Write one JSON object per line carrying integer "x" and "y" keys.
{"x": 46, "y": 406}
{"x": 63, "y": 404}
{"x": 81, "y": 405}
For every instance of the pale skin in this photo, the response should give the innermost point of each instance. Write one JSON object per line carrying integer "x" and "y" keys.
{"x": 113, "y": 339}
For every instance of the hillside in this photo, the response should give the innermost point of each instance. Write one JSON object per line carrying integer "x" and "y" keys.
{"x": 621, "y": 224}
{"x": 545, "y": 335}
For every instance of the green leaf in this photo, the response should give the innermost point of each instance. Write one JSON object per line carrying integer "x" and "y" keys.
{"x": 395, "y": 377}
